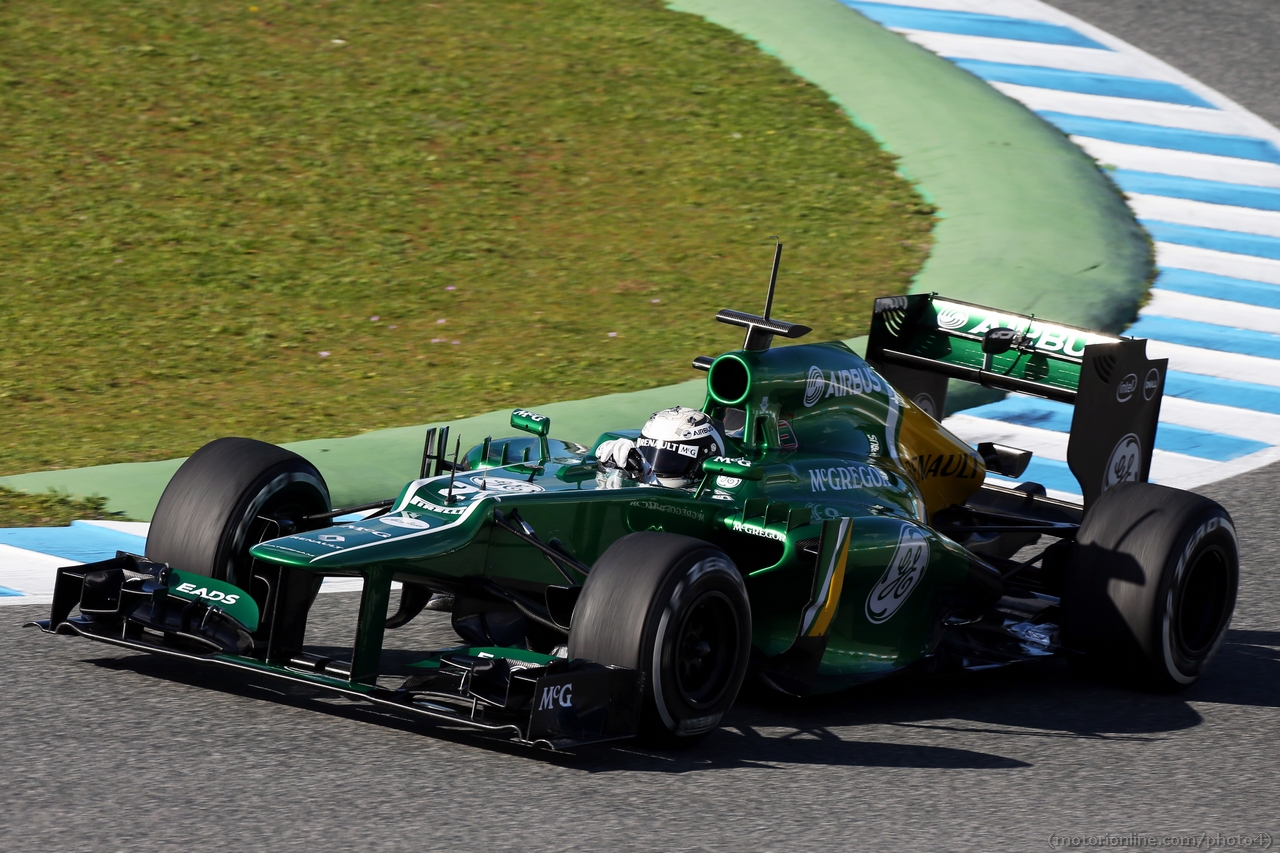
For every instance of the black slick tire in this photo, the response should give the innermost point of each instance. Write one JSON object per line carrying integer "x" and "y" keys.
{"x": 1150, "y": 586}
{"x": 676, "y": 609}
{"x": 211, "y": 512}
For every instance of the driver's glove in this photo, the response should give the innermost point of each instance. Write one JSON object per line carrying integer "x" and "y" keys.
{"x": 620, "y": 454}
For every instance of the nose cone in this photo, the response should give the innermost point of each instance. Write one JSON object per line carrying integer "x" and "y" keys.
{"x": 414, "y": 533}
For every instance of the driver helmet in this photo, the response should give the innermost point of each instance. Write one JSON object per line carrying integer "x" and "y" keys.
{"x": 675, "y": 441}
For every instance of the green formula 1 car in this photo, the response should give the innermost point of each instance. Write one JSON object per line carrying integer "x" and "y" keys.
{"x": 838, "y": 534}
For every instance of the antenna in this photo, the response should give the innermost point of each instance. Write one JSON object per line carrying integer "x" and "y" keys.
{"x": 773, "y": 277}
{"x": 453, "y": 470}
{"x": 760, "y": 330}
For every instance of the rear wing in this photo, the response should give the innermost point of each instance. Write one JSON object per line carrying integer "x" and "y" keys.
{"x": 919, "y": 342}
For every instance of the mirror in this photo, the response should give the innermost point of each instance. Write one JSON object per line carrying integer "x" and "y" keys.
{"x": 999, "y": 340}
{"x": 1003, "y": 460}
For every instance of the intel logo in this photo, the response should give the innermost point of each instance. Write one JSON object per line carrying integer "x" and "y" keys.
{"x": 1126, "y": 387}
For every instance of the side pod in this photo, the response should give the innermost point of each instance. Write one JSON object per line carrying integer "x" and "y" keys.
{"x": 794, "y": 670}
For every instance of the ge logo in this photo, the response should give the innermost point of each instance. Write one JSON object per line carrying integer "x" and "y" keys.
{"x": 814, "y": 386}
{"x": 1122, "y": 467}
{"x": 905, "y": 569}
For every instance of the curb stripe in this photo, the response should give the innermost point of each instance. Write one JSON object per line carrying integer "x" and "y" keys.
{"x": 1085, "y": 83}
{"x": 1214, "y": 239}
{"x": 1197, "y": 189}
{"x": 1066, "y": 57}
{"x": 970, "y": 24}
{"x": 1056, "y": 417}
{"x": 80, "y": 542}
{"x": 29, "y": 573}
{"x": 1049, "y": 473}
{"x": 1218, "y": 312}
{"x": 1194, "y": 258}
{"x": 1207, "y": 336}
{"x": 1215, "y": 363}
{"x": 1219, "y": 287}
{"x": 1114, "y": 156}
{"x": 1222, "y": 217}
{"x": 1201, "y": 174}
{"x": 1228, "y": 417}
{"x": 1050, "y": 467}
{"x": 1104, "y": 107}
{"x": 1154, "y": 136}
{"x": 1223, "y": 392}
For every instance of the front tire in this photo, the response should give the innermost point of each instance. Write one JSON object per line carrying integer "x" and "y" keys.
{"x": 1150, "y": 586}
{"x": 676, "y": 609}
{"x": 218, "y": 504}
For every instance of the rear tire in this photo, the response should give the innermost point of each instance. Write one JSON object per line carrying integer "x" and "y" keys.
{"x": 676, "y": 609}
{"x": 1150, "y": 586}
{"x": 210, "y": 514}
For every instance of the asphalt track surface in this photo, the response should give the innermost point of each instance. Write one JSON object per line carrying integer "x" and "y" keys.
{"x": 1227, "y": 44}
{"x": 110, "y": 750}
{"x": 107, "y": 750}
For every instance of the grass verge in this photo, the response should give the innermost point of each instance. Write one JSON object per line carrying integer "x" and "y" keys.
{"x": 50, "y": 509}
{"x": 294, "y": 220}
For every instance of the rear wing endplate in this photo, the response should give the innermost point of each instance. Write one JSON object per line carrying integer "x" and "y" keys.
{"x": 919, "y": 342}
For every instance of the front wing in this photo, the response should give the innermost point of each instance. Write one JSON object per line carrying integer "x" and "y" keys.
{"x": 528, "y": 698}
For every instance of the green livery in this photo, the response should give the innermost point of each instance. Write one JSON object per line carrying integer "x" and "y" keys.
{"x": 234, "y": 601}
{"x": 841, "y": 534}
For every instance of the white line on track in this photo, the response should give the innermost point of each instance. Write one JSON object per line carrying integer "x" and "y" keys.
{"x": 1225, "y": 420}
{"x": 16, "y": 600}
{"x": 29, "y": 572}
{"x": 1188, "y": 164}
{"x": 1219, "y": 312}
{"x": 1224, "y": 365}
{"x": 1086, "y": 59}
{"x": 1123, "y": 109}
{"x": 133, "y": 528}
{"x": 1247, "y": 267}
{"x": 1191, "y": 479}
{"x": 1000, "y": 8}
{"x": 1205, "y": 215}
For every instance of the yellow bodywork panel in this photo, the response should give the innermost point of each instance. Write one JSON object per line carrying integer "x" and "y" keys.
{"x": 945, "y": 468}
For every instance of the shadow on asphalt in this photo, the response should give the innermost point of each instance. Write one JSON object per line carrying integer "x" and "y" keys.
{"x": 739, "y": 743}
{"x": 1037, "y": 701}
{"x": 898, "y": 722}
{"x": 1245, "y": 672}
